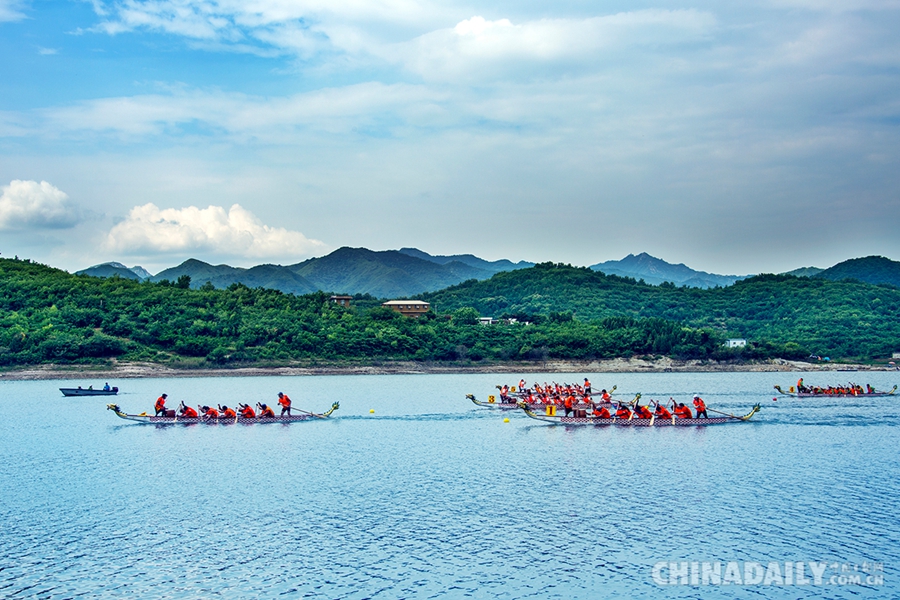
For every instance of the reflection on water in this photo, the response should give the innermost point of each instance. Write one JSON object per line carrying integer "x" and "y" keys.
{"x": 431, "y": 496}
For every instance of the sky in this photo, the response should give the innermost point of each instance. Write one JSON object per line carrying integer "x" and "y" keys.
{"x": 735, "y": 137}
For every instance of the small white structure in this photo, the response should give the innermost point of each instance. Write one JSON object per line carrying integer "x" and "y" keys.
{"x": 895, "y": 355}
{"x": 735, "y": 343}
{"x": 487, "y": 320}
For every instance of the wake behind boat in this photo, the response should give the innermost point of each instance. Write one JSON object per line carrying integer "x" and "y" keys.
{"x": 171, "y": 418}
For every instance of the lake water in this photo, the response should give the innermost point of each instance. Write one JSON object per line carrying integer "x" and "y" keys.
{"x": 433, "y": 497}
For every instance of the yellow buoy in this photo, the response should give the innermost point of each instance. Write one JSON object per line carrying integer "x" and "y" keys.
{"x": 506, "y": 420}
{"x": 371, "y": 410}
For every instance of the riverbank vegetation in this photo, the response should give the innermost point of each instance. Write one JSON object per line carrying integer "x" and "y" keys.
{"x": 551, "y": 312}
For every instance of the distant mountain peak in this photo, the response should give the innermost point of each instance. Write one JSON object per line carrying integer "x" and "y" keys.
{"x": 656, "y": 271}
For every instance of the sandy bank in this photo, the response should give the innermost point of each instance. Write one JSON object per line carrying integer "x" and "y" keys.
{"x": 618, "y": 365}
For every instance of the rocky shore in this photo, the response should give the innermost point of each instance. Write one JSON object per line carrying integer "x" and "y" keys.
{"x": 618, "y": 365}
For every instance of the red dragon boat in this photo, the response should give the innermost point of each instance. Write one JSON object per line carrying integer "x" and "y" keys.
{"x": 177, "y": 420}
{"x": 512, "y": 401}
{"x": 827, "y": 393}
{"x": 637, "y": 422}
{"x": 492, "y": 402}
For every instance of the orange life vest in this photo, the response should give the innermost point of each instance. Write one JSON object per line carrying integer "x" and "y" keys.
{"x": 699, "y": 405}
{"x": 623, "y": 413}
{"x": 160, "y": 403}
{"x": 189, "y": 412}
{"x": 212, "y": 413}
{"x": 229, "y": 413}
{"x": 284, "y": 401}
{"x": 248, "y": 413}
{"x": 267, "y": 412}
{"x": 683, "y": 412}
{"x": 603, "y": 413}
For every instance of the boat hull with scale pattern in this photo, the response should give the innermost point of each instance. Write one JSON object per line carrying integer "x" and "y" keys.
{"x": 154, "y": 420}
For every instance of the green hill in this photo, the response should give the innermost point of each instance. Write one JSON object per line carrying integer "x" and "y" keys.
{"x": 871, "y": 269}
{"x": 386, "y": 274}
{"x": 50, "y": 316}
{"x": 839, "y": 319}
{"x": 221, "y": 276}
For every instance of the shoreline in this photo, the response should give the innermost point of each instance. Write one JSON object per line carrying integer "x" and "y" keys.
{"x": 617, "y": 365}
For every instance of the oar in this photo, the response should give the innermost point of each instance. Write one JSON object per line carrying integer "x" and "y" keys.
{"x": 309, "y": 413}
{"x": 724, "y": 413}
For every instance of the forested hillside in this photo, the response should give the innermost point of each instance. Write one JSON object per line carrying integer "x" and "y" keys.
{"x": 836, "y": 318}
{"x": 48, "y": 315}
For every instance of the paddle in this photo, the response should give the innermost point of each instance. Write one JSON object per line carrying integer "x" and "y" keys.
{"x": 309, "y": 413}
{"x": 724, "y": 413}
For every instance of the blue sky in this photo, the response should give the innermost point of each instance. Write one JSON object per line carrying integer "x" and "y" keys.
{"x": 736, "y": 138}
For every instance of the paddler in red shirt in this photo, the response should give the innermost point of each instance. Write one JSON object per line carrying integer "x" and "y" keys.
{"x": 622, "y": 412}
{"x": 662, "y": 412}
{"x": 285, "y": 403}
{"x": 188, "y": 412}
{"x": 642, "y": 412}
{"x": 265, "y": 411}
{"x": 160, "y": 406}
{"x": 247, "y": 411}
{"x": 601, "y": 413}
{"x": 569, "y": 404}
{"x": 683, "y": 412}
{"x": 700, "y": 407}
{"x": 210, "y": 413}
{"x": 227, "y": 413}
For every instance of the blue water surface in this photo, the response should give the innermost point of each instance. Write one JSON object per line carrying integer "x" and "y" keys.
{"x": 433, "y": 497}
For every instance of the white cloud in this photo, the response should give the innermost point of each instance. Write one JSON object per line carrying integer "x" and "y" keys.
{"x": 29, "y": 204}
{"x": 479, "y": 47}
{"x": 237, "y": 232}
{"x": 10, "y": 10}
{"x": 331, "y": 110}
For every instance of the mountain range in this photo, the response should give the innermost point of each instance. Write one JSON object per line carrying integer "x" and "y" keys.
{"x": 408, "y": 272}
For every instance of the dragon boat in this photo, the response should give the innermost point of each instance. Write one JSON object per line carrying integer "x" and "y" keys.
{"x": 637, "y": 422}
{"x": 827, "y": 394}
{"x": 177, "y": 420}
{"x": 492, "y": 402}
{"x": 89, "y": 391}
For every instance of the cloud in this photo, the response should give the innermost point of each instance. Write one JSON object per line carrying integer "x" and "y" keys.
{"x": 29, "y": 204}
{"x": 47, "y": 51}
{"x": 10, "y": 10}
{"x": 481, "y": 47}
{"x": 237, "y": 232}
{"x": 330, "y": 110}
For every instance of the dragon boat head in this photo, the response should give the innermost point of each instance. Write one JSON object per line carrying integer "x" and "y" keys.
{"x": 113, "y": 407}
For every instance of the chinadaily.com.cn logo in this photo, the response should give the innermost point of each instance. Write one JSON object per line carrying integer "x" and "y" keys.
{"x": 866, "y": 573}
